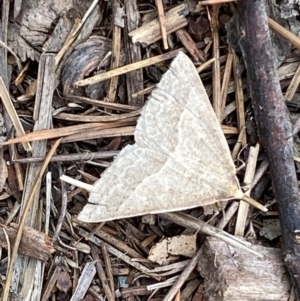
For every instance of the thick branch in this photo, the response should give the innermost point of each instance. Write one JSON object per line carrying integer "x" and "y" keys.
{"x": 273, "y": 123}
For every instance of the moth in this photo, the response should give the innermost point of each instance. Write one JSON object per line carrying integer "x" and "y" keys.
{"x": 180, "y": 158}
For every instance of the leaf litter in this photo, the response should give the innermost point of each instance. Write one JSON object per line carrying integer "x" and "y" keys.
{"x": 96, "y": 256}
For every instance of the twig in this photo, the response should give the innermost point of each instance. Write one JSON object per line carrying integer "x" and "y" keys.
{"x": 96, "y": 134}
{"x": 260, "y": 172}
{"x": 239, "y": 98}
{"x": 63, "y": 209}
{"x": 48, "y": 201}
{"x": 273, "y": 123}
{"x": 248, "y": 178}
{"x": 225, "y": 82}
{"x": 230, "y": 212}
{"x": 86, "y": 156}
{"x": 161, "y": 20}
{"x": 86, "y": 15}
{"x": 116, "y": 54}
{"x": 4, "y": 25}
{"x": 13, "y": 54}
{"x": 190, "y": 45}
{"x": 205, "y": 65}
{"x": 108, "y": 293}
{"x": 216, "y": 74}
{"x": 48, "y": 287}
{"x": 108, "y": 267}
{"x": 75, "y": 31}
{"x": 82, "y": 118}
{"x": 102, "y": 103}
{"x": 183, "y": 277}
{"x": 189, "y": 289}
{"x": 143, "y": 91}
{"x": 77, "y": 183}
{"x": 239, "y": 143}
{"x": 71, "y": 132}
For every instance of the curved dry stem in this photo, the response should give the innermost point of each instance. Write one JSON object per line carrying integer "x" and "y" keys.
{"x": 242, "y": 196}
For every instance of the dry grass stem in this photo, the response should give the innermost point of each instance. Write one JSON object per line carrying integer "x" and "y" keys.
{"x": 190, "y": 45}
{"x": 206, "y": 65}
{"x": 71, "y": 131}
{"x": 239, "y": 97}
{"x": 12, "y": 113}
{"x": 18, "y": 62}
{"x": 77, "y": 183}
{"x": 216, "y": 74}
{"x": 226, "y": 80}
{"x": 116, "y": 54}
{"x": 248, "y": 178}
{"x": 292, "y": 88}
{"x": 286, "y": 34}
{"x": 128, "y": 68}
{"x": 161, "y": 20}
{"x": 104, "y": 104}
{"x": 239, "y": 143}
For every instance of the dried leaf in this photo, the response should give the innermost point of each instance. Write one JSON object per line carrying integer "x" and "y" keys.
{"x": 159, "y": 252}
{"x": 4, "y": 196}
{"x": 113, "y": 145}
{"x": 271, "y": 229}
{"x": 184, "y": 245}
{"x": 82, "y": 247}
{"x": 30, "y": 91}
{"x": 88, "y": 297}
{"x": 64, "y": 282}
{"x": 12, "y": 179}
{"x": 71, "y": 263}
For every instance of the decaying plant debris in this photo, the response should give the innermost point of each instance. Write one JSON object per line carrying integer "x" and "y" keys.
{"x": 116, "y": 52}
